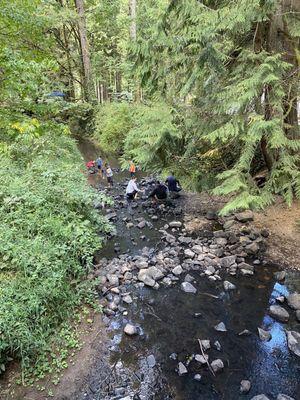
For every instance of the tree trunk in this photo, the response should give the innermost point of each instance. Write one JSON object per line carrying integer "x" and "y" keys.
{"x": 86, "y": 62}
{"x": 132, "y": 8}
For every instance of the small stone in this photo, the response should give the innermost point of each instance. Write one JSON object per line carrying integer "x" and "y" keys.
{"x": 280, "y": 299}
{"x": 293, "y": 301}
{"x": 205, "y": 344}
{"x": 201, "y": 359}
{"x": 189, "y": 253}
{"x": 151, "y": 361}
{"x": 197, "y": 377}
{"x": 279, "y": 313}
{"x": 220, "y": 327}
{"x": 246, "y": 272}
{"x": 217, "y": 345}
{"x": 188, "y": 287}
{"x": 245, "y": 216}
{"x": 141, "y": 224}
{"x": 127, "y": 299}
{"x": 130, "y": 330}
{"x": 113, "y": 280}
{"x": 189, "y": 278}
{"x": 260, "y": 397}
{"x": 264, "y": 335}
{"x": 245, "y": 386}
{"x": 217, "y": 365}
{"x": 119, "y": 391}
{"x": 175, "y": 224}
{"x": 178, "y": 270}
{"x": 173, "y": 356}
{"x": 280, "y": 275}
{"x": 229, "y": 286}
{"x": 182, "y": 369}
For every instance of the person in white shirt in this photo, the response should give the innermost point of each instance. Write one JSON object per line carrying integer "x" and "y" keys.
{"x": 132, "y": 189}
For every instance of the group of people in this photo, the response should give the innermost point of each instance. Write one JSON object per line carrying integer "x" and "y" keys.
{"x": 161, "y": 192}
{"x": 104, "y": 169}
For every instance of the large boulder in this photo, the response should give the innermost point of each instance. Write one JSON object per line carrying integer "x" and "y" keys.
{"x": 293, "y": 339}
{"x": 279, "y": 313}
{"x": 293, "y": 301}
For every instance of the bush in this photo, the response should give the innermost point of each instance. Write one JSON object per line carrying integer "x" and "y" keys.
{"x": 50, "y": 232}
{"x": 112, "y": 124}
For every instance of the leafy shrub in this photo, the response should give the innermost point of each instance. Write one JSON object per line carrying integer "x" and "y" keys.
{"x": 113, "y": 122}
{"x": 49, "y": 233}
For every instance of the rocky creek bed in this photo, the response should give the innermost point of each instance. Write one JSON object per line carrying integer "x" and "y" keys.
{"x": 192, "y": 307}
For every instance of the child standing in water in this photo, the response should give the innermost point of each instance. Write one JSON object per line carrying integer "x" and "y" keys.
{"x": 109, "y": 175}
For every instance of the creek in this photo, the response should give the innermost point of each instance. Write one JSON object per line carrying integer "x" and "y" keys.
{"x": 170, "y": 322}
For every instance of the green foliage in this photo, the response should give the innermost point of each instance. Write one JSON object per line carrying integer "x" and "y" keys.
{"x": 240, "y": 82}
{"x": 112, "y": 123}
{"x": 50, "y": 235}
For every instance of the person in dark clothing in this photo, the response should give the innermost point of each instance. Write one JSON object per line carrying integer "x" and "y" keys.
{"x": 159, "y": 193}
{"x": 173, "y": 185}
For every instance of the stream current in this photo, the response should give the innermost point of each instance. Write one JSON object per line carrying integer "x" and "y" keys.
{"x": 171, "y": 322}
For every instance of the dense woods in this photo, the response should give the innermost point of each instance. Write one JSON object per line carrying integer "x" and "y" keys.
{"x": 209, "y": 89}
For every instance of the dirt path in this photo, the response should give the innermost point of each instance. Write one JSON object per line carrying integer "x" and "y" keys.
{"x": 284, "y": 240}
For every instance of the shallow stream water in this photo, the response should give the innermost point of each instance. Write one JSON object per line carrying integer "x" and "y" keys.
{"x": 172, "y": 321}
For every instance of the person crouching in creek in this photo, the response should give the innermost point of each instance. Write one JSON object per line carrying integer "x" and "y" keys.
{"x": 132, "y": 190}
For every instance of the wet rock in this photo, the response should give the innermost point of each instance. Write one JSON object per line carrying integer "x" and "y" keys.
{"x": 228, "y": 224}
{"x": 217, "y": 365}
{"x": 175, "y": 224}
{"x": 173, "y": 356}
{"x": 293, "y": 339}
{"x": 145, "y": 278}
{"x": 226, "y": 262}
{"x": 201, "y": 359}
{"x": 189, "y": 278}
{"x": 151, "y": 361}
{"x": 197, "y": 377}
{"x": 279, "y": 313}
{"x": 298, "y": 315}
{"x": 264, "y": 335}
{"x": 245, "y": 216}
{"x": 211, "y": 215}
{"x": 188, "y": 287}
{"x": 184, "y": 239}
{"x": 245, "y": 386}
{"x": 229, "y": 286}
{"x": 177, "y": 270}
{"x": 217, "y": 345}
{"x": 182, "y": 369}
{"x": 189, "y": 253}
{"x": 220, "y": 327}
{"x": 293, "y": 301}
{"x": 205, "y": 344}
{"x": 130, "y": 330}
{"x": 260, "y": 397}
{"x": 284, "y": 397}
{"x": 280, "y": 275}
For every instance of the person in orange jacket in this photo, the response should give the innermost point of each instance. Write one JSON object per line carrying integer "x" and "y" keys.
{"x": 132, "y": 169}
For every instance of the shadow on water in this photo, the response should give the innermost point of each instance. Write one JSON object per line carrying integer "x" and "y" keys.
{"x": 171, "y": 321}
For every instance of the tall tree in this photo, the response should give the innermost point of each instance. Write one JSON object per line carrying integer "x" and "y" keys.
{"x": 86, "y": 61}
